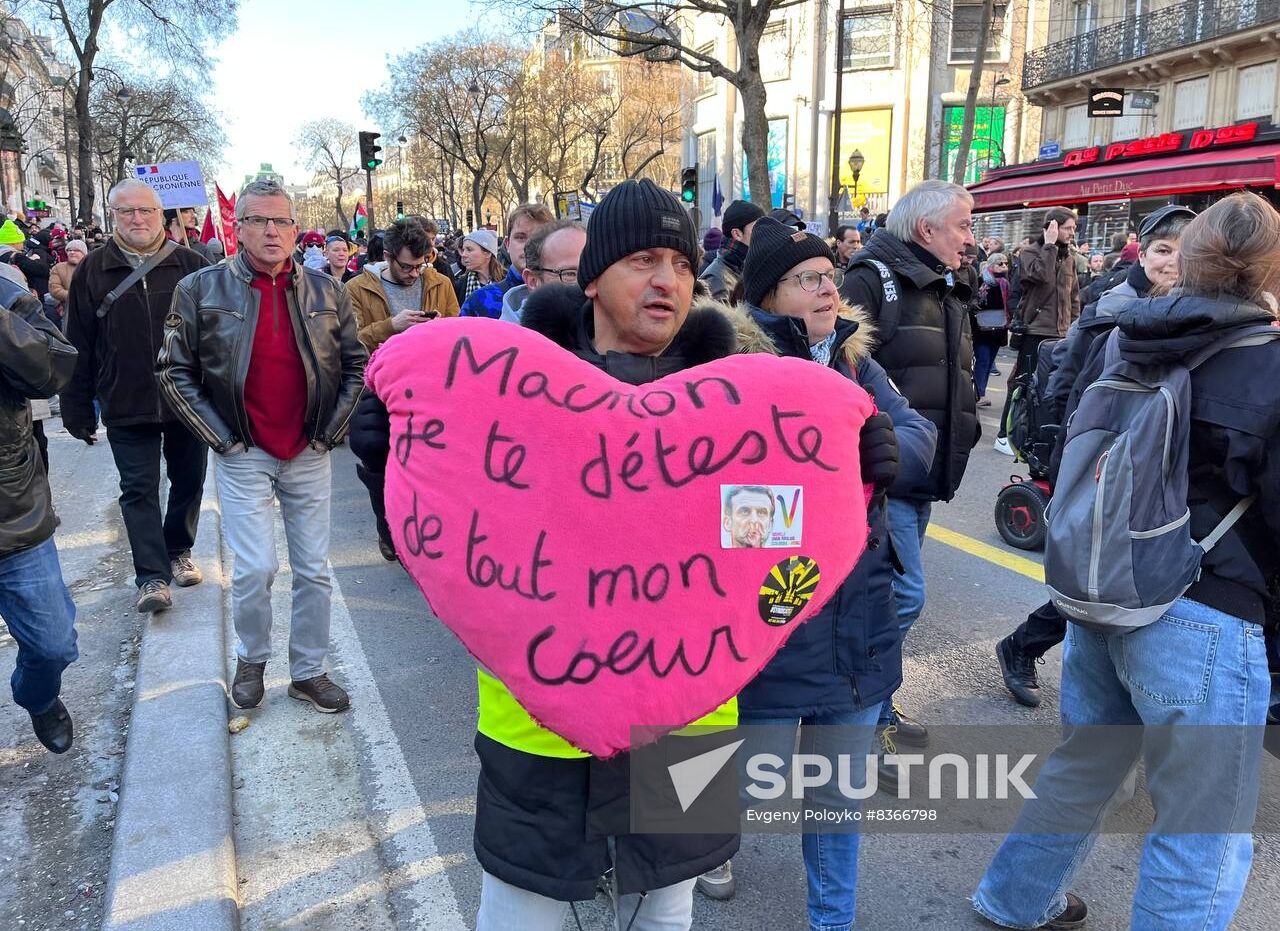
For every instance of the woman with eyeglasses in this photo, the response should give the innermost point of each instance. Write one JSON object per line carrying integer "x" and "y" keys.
{"x": 834, "y": 673}
{"x": 989, "y": 319}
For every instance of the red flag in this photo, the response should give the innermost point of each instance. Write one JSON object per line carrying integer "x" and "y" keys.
{"x": 207, "y": 233}
{"x": 227, "y": 210}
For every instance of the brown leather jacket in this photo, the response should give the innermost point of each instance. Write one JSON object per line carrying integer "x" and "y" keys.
{"x": 1050, "y": 290}
{"x": 208, "y": 342}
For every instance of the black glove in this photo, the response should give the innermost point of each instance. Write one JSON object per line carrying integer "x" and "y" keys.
{"x": 878, "y": 453}
{"x": 87, "y": 434}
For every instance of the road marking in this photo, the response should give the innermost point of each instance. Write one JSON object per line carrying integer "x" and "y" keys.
{"x": 1028, "y": 567}
{"x": 399, "y": 819}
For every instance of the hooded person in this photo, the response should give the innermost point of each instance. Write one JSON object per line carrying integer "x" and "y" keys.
{"x": 832, "y": 676}
{"x": 712, "y": 240}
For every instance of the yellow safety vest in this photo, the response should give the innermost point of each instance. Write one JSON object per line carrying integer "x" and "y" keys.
{"x": 504, "y": 719}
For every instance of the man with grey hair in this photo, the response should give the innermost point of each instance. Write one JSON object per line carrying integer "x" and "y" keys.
{"x": 550, "y": 257}
{"x": 115, "y": 314}
{"x": 262, "y": 360}
{"x": 904, "y": 278}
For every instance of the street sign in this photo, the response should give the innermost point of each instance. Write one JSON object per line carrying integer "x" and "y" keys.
{"x": 1050, "y": 150}
{"x": 179, "y": 184}
{"x": 1143, "y": 100}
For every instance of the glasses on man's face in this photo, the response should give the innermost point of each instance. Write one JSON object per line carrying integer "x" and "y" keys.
{"x": 260, "y": 223}
{"x": 129, "y": 213}
{"x": 410, "y": 268}
{"x": 812, "y": 281}
{"x": 566, "y": 275}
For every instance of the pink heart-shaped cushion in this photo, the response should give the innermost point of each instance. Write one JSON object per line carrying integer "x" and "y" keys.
{"x": 570, "y": 528}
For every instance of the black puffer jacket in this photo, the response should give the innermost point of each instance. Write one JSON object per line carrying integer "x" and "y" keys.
{"x": 926, "y": 347}
{"x": 36, "y": 361}
{"x": 1235, "y": 438}
{"x": 118, "y": 352}
{"x": 543, "y": 822}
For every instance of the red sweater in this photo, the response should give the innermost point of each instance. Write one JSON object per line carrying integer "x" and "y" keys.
{"x": 275, "y": 390}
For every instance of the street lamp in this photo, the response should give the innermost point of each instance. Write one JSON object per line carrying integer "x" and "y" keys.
{"x": 991, "y": 120}
{"x": 856, "y": 161}
{"x": 399, "y": 169}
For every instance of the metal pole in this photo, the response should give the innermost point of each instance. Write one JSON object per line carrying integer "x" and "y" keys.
{"x": 834, "y": 192}
{"x": 368, "y": 195}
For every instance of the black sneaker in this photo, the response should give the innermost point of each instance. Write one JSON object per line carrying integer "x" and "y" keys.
{"x": 1019, "y": 671}
{"x": 325, "y": 695}
{"x": 1073, "y": 916}
{"x": 908, "y": 730}
{"x": 246, "y": 688}
{"x": 53, "y": 727}
{"x": 387, "y": 549}
{"x": 718, "y": 883}
{"x": 154, "y": 596}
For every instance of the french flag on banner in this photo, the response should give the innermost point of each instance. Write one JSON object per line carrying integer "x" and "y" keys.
{"x": 147, "y": 169}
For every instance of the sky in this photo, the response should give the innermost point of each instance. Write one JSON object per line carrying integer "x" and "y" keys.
{"x": 338, "y": 51}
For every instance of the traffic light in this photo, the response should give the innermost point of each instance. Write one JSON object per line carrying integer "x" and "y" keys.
{"x": 399, "y": 210}
{"x": 789, "y": 202}
{"x": 471, "y": 219}
{"x": 689, "y": 185}
{"x": 368, "y": 151}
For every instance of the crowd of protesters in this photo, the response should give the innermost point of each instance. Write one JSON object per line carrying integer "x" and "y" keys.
{"x": 255, "y": 361}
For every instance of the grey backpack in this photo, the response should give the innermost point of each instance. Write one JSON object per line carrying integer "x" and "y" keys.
{"x": 1119, "y": 551}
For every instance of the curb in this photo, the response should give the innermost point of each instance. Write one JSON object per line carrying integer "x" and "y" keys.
{"x": 173, "y": 865}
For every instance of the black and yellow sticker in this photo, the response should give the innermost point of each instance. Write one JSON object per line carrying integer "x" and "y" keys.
{"x": 787, "y": 589}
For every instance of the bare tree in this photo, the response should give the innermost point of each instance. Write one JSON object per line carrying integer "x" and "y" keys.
{"x": 330, "y": 148}
{"x": 651, "y": 29}
{"x": 174, "y": 30}
{"x": 971, "y": 94}
{"x": 154, "y": 121}
{"x": 456, "y": 94}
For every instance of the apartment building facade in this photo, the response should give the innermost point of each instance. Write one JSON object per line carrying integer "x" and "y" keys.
{"x": 903, "y": 69}
{"x": 1199, "y": 87}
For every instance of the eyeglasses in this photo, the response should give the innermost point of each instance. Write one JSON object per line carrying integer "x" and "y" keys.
{"x": 260, "y": 223}
{"x": 566, "y": 275}
{"x": 409, "y": 268}
{"x": 130, "y": 212}
{"x": 812, "y": 281}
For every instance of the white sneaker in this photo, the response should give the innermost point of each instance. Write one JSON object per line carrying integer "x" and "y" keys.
{"x": 1002, "y": 446}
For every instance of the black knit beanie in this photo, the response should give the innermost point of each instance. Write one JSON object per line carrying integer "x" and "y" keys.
{"x": 635, "y": 215}
{"x": 775, "y": 250}
{"x": 739, "y": 215}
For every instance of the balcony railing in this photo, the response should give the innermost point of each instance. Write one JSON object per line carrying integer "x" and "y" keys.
{"x": 1150, "y": 33}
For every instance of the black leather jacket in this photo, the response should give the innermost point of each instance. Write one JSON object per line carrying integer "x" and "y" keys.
{"x": 208, "y": 342}
{"x": 36, "y": 361}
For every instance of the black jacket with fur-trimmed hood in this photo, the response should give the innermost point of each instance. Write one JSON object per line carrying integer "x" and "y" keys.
{"x": 544, "y": 823}
{"x": 848, "y": 656}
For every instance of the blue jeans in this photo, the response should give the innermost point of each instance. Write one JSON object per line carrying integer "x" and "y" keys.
{"x": 908, "y": 520}
{"x": 249, "y": 484}
{"x": 41, "y": 616}
{"x": 984, "y": 359}
{"x": 830, "y": 859}
{"x": 1194, "y": 666}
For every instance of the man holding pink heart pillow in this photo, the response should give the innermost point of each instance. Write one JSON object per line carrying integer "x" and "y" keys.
{"x": 550, "y": 818}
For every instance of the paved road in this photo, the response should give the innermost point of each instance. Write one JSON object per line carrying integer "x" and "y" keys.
{"x": 413, "y": 720}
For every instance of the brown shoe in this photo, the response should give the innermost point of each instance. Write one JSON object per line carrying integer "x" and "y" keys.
{"x": 154, "y": 596}
{"x": 185, "y": 572}
{"x": 246, "y": 688}
{"x": 325, "y": 695}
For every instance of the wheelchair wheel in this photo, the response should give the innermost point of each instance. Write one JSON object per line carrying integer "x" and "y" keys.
{"x": 1020, "y": 508}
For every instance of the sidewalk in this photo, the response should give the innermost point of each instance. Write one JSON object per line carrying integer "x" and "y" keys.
{"x": 58, "y": 813}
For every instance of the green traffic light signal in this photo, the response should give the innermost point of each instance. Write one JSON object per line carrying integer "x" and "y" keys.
{"x": 689, "y": 185}
{"x": 369, "y": 151}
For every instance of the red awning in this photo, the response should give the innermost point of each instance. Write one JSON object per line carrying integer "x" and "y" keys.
{"x": 1211, "y": 170}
